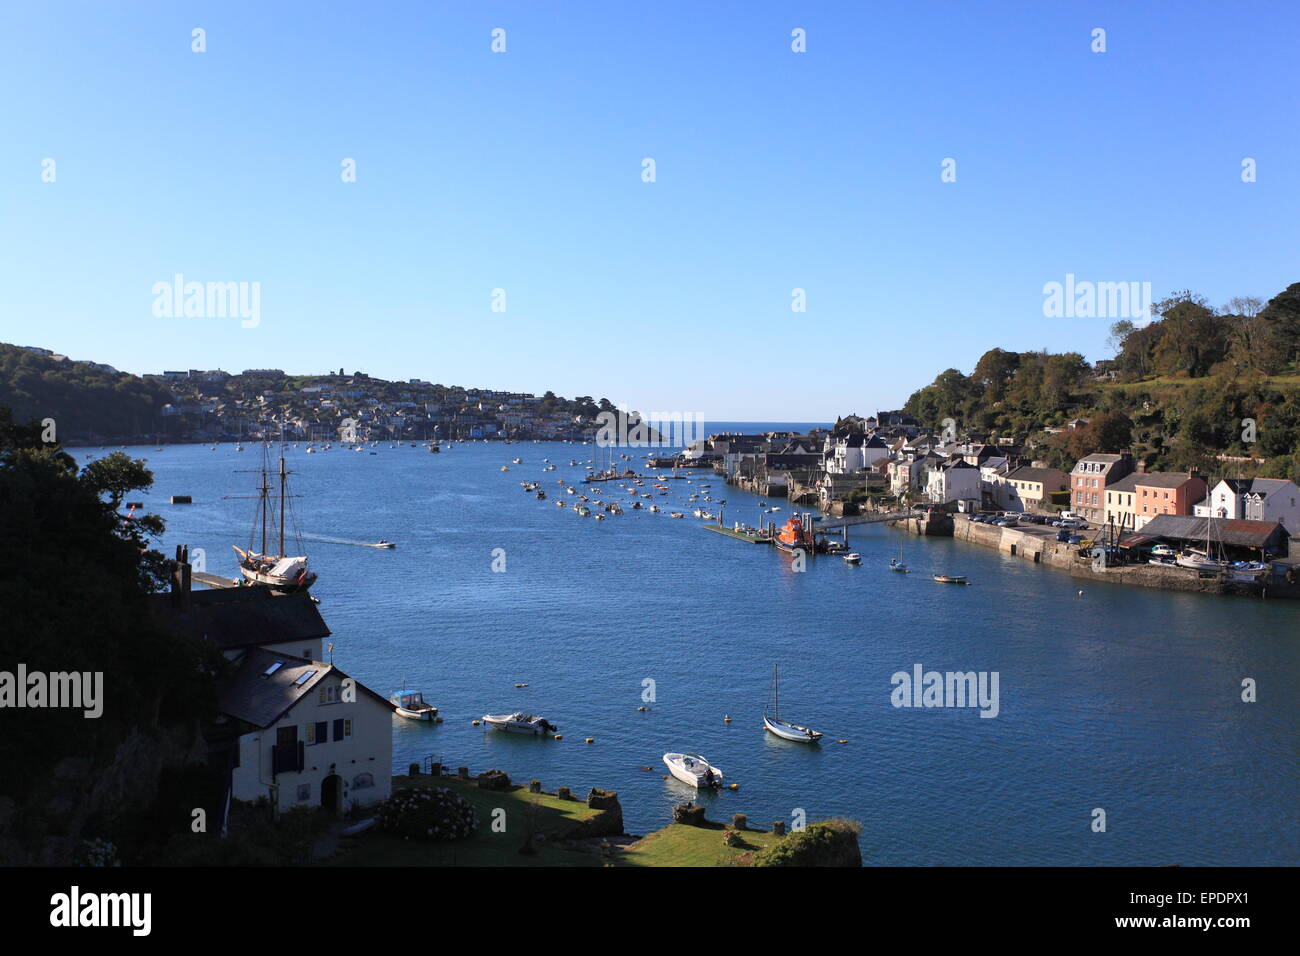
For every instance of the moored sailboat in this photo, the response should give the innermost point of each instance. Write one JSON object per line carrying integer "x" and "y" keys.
{"x": 783, "y": 728}
{"x": 277, "y": 571}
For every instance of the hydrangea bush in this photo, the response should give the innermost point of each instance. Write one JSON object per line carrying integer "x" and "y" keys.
{"x": 428, "y": 813}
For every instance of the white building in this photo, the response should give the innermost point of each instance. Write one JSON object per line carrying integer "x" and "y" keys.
{"x": 1254, "y": 499}
{"x": 308, "y": 735}
{"x": 954, "y": 482}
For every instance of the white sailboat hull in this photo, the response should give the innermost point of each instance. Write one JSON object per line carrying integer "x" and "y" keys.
{"x": 788, "y": 731}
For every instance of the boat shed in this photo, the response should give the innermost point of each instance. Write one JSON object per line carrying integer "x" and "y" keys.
{"x": 1239, "y": 537}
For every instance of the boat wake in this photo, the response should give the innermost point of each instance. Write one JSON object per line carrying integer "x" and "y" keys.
{"x": 327, "y": 540}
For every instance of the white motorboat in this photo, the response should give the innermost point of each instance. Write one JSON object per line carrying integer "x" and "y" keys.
{"x": 411, "y": 705}
{"x": 1247, "y": 572}
{"x": 853, "y": 558}
{"x": 783, "y": 728}
{"x": 519, "y": 723}
{"x": 693, "y": 770}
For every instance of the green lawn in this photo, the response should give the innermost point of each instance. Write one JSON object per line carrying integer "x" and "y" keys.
{"x": 682, "y": 845}
{"x": 546, "y": 813}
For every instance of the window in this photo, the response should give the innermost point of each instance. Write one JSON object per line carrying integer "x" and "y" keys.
{"x": 304, "y": 677}
{"x": 322, "y": 731}
{"x": 339, "y": 728}
{"x": 272, "y": 669}
{"x": 311, "y": 733}
{"x": 329, "y": 695}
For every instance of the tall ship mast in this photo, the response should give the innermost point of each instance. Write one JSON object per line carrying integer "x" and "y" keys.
{"x": 278, "y": 571}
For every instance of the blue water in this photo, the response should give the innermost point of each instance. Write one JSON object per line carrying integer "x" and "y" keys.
{"x": 1123, "y": 699}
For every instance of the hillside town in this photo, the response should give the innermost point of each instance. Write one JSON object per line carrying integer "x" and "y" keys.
{"x": 1108, "y": 503}
{"x": 215, "y": 405}
{"x": 196, "y": 405}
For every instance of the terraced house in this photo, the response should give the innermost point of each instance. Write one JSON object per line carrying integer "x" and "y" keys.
{"x": 1137, "y": 498}
{"x": 1027, "y": 489}
{"x": 1090, "y": 478}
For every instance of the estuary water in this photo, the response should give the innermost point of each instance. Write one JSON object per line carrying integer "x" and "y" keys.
{"x": 1119, "y": 699}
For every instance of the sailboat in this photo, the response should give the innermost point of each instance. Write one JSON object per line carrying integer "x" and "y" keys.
{"x": 1198, "y": 561}
{"x": 896, "y": 564}
{"x": 277, "y": 571}
{"x": 783, "y": 728}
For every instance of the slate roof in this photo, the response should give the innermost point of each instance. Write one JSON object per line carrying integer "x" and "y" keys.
{"x": 233, "y": 618}
{"x": 1232, "y": 531}
{"x": 1042, "y": 475}
{"x": 1126, "y": 484}
{"x": 255, "y": 697}
{"x": 1163, "y": 479}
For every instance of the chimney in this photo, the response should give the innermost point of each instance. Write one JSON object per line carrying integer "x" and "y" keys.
{"x": 181, "y": 577}
{"x": 1141, "y": 466}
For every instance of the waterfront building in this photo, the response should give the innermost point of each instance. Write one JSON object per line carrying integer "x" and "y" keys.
{"x": 1090, "y": 478}
{"x": 292, "y": 727}
{"x": 306, "y": 734}
{"x": 954, "y": 482}
{"x": 1237, "y": 538}
{"x": 1141, "y": 496}
{"x": 1028, "y": 489}
{"x": 1257, "y": 499}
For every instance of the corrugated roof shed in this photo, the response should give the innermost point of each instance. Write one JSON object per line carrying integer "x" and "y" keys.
{"x": 1237, "y": 532}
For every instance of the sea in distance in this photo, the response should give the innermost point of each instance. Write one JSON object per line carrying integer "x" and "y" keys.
{"x": 1118, "y": 698}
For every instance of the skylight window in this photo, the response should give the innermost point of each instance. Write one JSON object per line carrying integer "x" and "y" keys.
{"x": 272, "y": 669}
{"x": 308, "y": 675}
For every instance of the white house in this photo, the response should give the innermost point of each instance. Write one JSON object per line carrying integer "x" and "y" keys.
{"x": 308, "y": 735}
{"x": 954, "y": 481}
{"x": 1254, "y": 499}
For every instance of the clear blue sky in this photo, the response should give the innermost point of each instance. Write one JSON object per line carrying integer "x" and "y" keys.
{"x": 522, "y": 171}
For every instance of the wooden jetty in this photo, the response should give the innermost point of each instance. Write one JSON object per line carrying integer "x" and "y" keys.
{"x": 214, "y": 580}
{"x": 753, "y": 537}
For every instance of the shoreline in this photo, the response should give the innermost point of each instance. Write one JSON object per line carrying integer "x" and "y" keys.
{"x": 1061, "y": 556}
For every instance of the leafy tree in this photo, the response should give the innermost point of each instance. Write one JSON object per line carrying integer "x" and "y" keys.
{"x": 74, "y": 578}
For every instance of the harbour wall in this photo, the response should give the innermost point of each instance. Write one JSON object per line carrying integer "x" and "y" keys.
{"x": 1062, "y": 556}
